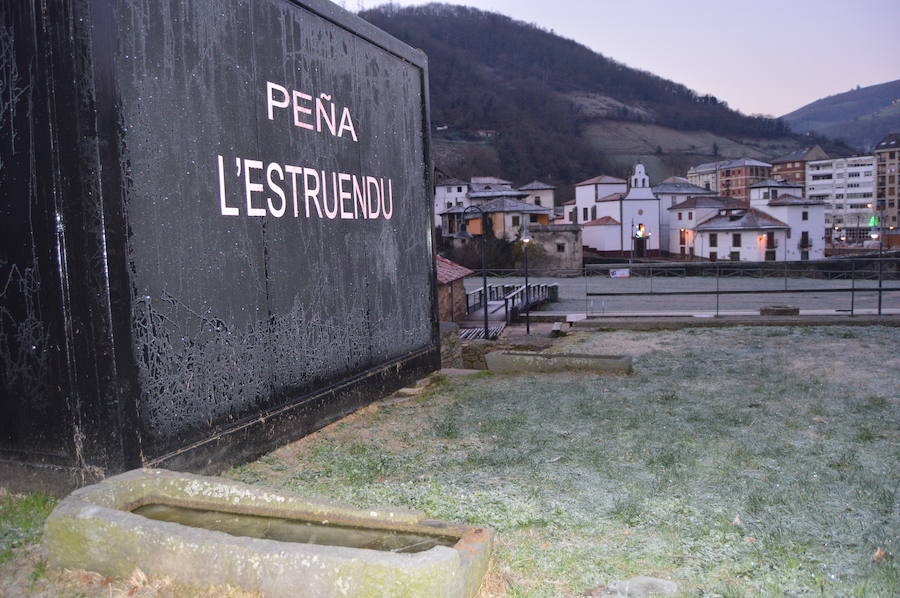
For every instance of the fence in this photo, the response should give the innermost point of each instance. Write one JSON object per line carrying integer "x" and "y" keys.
{"x": 845, "y": 286}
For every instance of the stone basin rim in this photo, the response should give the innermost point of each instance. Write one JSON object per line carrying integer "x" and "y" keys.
{"x": 93, "y": 529}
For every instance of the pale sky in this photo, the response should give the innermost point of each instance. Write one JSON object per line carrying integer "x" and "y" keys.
{"x": 762, "y": 57}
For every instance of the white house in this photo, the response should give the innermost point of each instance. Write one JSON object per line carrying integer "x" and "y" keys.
{"x": 686, "y": 215}
{"x": 588, "y": 193}
{"x": 539, "y": 194}
{"x": 673, "y": 191}
{"x": 448, "y": 194}
{"x": 805, "y": 239}
{"x": 741, "y": 234}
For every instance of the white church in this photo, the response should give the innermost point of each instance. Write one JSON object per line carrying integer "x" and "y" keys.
{"x": 618, "y": 220}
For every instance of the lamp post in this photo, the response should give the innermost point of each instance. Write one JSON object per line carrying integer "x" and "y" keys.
{"x": 526, "y": 240}
{"x": 464, "y": 234}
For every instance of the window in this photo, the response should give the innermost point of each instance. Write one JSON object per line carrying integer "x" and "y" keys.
{"x": 713, "y": 256}
{"x": 584, "y": 214}
{"x": 804, "y": 255}
{"x": 679, "y": 215}
{"x": 449, "y": 204}
{"x": 713, "y": 239}
{"x": 533, "y": 218}
{"x": 459, "y": 189}
{"x": 805, "y": 216}
{"x": 459, "y": 203}
{"x": 537, "y": 201}
{"x": 515, "y": 222}
{"x": 449, "y": 189}
{"x": 560, "y": 248}
{"x": 735, "y": 256}
{"x": 690, "y": 215}
{"x": 736, "y": 239}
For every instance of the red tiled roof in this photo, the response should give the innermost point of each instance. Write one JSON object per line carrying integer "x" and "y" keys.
{"x": 610, "y": 197}
{"x": 602, "y": 221}
{"x": 448, "y": 271}
{"x": 599, "y": 180}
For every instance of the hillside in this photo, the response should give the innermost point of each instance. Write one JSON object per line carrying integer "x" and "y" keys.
{"x": 861, "y": 117}
{"x": 512, "y": 100}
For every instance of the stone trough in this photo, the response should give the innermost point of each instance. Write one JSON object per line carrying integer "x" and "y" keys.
{"x": 202, "y": 531}
{"x": 508, "y": 362}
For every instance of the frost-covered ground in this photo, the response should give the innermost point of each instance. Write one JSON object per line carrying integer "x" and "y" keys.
{"x": 737, "y": 462}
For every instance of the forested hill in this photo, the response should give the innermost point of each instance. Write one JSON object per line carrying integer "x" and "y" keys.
{"x": 861, "y": 116}
{"x": 552, "y": 101}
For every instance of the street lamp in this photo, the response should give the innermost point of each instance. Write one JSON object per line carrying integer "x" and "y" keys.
{"x": 464, "y": 234}
{"x": 881, "y": 203}
{"x": 526, "y": 240}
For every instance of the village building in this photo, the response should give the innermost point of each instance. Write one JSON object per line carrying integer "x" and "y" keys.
{"x": 539, "y": 194}
{"x": 588, "y": 194}
{"x": 806, "y": 236}
{"x": 887, "y": 187}
{"x": 730, "y": 178}
{"x": 624, "y": 223}
{"x": 847, "y": 186}
{"x": 448, "y": 194}
{"x": 792, "y": 167}
{"x": 506, "y": 218}
{"x": 673, "y": 191}
{"x": 741, "y": 234}
{"x": 686, "y": 215}
{"x": 451, "y": 292}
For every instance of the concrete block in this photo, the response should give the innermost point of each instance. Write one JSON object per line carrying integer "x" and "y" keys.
{"x": 779, "y": 310}
{"x": 509, "y": 362}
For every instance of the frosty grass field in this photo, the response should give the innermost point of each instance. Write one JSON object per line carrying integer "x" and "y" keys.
{"x": 736, "y": 462}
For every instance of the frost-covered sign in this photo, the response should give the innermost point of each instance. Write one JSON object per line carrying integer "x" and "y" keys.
{"x": 227, "y": 234}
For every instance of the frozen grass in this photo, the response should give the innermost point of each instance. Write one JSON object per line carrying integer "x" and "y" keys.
{"x": 737, "y": 462}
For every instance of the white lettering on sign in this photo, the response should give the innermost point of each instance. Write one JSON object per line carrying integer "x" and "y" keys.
{"x": 314, "y": 114}
{"x": 261, "y": 189}
{"x": 334, "y": 195}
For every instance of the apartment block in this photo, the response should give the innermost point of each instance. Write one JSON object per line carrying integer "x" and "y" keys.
{"x": 847, "y": 186}
{"x": 792, "y": 167}
{"x": 887, "y": 184}
{"x": 730, "y": 178}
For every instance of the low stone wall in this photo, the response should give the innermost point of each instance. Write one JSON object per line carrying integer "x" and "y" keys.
{"x": 512, "y": 362}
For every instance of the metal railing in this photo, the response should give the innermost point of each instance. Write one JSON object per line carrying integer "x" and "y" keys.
{"x": 512, "y": 296}
{"x": 845, "y": 285}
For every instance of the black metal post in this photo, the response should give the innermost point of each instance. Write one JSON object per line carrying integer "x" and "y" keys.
{"x": 880, "y": 252}
{"x": 527, "y": 294}
{"x": 717, "y": 290}
{"x": 484, "y": 287}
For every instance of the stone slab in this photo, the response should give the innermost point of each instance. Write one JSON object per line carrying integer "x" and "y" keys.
{"x": 509, "y": 362}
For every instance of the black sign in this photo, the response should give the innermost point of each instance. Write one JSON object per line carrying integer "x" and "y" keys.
{"x": 227, "y": 231}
